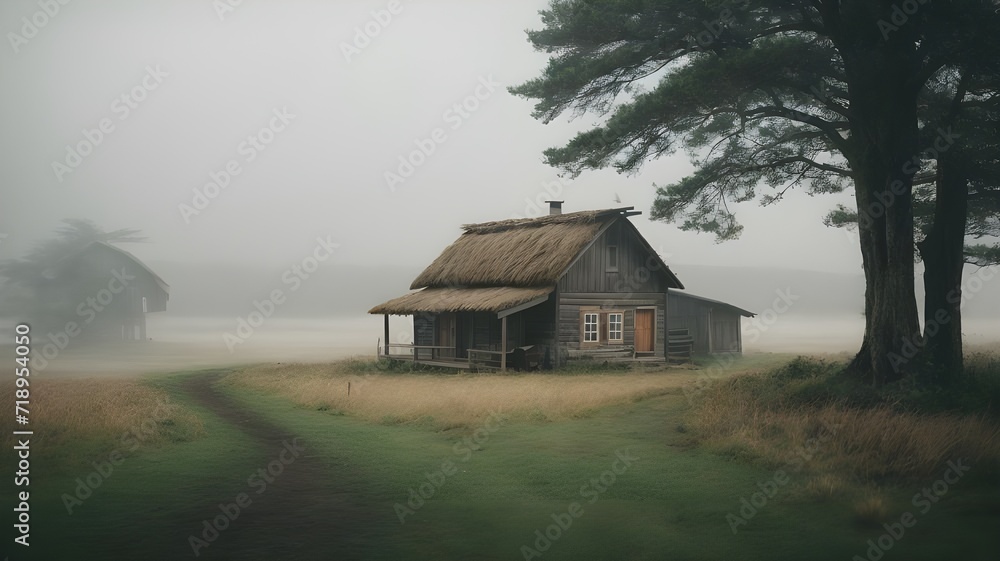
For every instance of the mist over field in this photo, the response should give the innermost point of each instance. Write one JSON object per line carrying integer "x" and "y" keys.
{"x": 325, "y": 318}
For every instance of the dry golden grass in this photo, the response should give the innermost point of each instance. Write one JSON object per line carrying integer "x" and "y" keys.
{"x": 451, "y": 400}
{"x": 863, "y": 444}
{"x": 66, "y": 414}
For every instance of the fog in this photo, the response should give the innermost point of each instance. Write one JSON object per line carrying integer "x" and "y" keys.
{"x": 238, "y": 138}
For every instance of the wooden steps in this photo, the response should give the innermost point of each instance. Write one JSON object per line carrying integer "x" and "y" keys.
{"x": 680, "y": 346}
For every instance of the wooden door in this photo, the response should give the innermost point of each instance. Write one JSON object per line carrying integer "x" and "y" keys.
{"x": 445, "y": 335}
{"x": 644, "y": 330}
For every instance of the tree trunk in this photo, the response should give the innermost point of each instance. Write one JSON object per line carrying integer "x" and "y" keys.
{"x": 943, "y": 254}
{"x": 888, "y": 351}
{"x": 861, "y": 366}
{"x": 884, "y": 136}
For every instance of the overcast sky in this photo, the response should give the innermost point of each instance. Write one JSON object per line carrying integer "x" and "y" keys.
{"x": 332, "y": 115}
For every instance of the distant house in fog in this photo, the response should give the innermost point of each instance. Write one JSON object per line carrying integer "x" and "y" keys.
{"x": 109, "y": 290}
{"x": 540, "y": 291}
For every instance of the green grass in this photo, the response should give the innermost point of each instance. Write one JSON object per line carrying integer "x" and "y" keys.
{"x": 146, "y": 507}
{"x": 673, "y": 501}
{"x": 670, "y": 504}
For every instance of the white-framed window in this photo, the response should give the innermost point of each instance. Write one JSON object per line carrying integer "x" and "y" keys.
{"x": 612, "y": 258}
{"x": 615, "y": 320}
{"x": 591, "y": 332}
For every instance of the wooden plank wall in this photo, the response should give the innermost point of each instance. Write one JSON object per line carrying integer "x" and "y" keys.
{"x": 538, "y": 327}
{"x": 637, "y": 272}
{"x": 725, "y": 331}
{"x": 693, "y": 314}
{"x": 637, "y": 282}
{"x": 572, "y": 302}
{"x": 690, "y": 314}
{"x": 485, "y": 330}
{"x": 423, "y": 329}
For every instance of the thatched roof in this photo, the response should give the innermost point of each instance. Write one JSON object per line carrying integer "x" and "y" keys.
{"x": 436, "y": 300}
{"x": 497, "y": 266}
{"x": 528, "y": 252}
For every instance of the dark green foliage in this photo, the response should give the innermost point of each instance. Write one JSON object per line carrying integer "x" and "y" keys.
{"x": 758, "y": 93}
{"x": 813, "y": 382}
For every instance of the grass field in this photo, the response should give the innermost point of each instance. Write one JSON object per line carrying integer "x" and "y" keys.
{"x": 503, "y": 460}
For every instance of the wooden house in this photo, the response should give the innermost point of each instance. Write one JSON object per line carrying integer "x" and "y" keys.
{"x": 539, "y": 291}
{"x": 107, "y": 290}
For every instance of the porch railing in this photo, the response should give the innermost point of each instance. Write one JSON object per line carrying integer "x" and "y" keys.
{"x": 490, "y": 359}
{"x": 476, "y": 358}
{"x": 420, "y": 352}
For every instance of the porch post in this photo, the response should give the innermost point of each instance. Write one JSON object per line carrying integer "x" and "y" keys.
{"x": 386, "y": 316}
{"x": 556, "y": 357}
{"x": 503, "y": 344}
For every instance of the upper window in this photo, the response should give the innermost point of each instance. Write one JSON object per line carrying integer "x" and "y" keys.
{"x": 590, "y": 328}
{"x": 612, "y": 258}
{"x": 615, "y": 327}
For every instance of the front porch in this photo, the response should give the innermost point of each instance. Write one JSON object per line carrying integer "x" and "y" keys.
{"x": 473, "y": 340}
{"x": 476, "y": 328}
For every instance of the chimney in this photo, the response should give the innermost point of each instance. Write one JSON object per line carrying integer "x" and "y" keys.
{"x": 555, "y": 207}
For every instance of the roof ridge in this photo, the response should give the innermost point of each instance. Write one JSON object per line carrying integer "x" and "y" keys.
{"x": 578, "y": 217}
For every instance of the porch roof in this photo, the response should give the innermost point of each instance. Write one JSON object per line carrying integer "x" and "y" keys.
{"x": 494, "y": 299}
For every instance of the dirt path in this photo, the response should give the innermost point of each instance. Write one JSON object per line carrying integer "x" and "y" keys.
{"x": 297, "y": 515}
